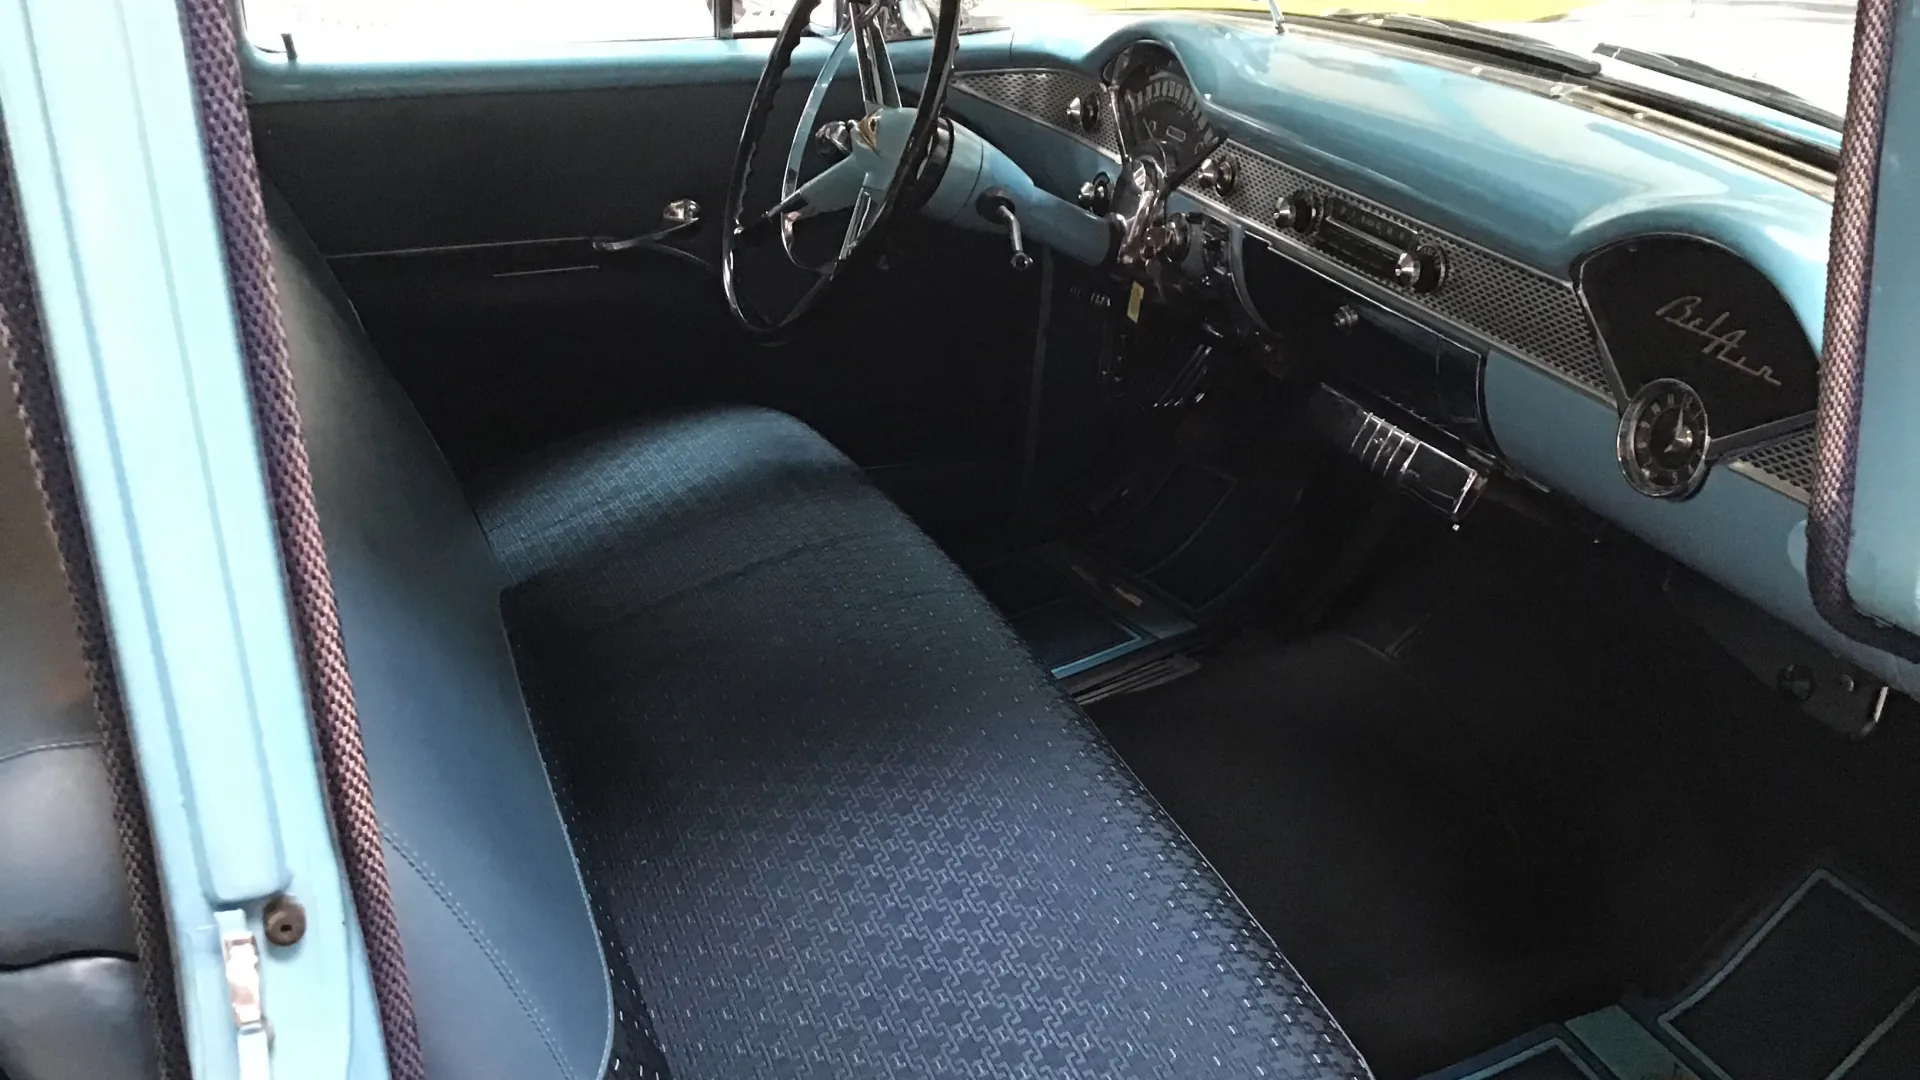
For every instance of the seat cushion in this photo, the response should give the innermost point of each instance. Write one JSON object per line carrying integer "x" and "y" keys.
{"x": 842, "y": 823}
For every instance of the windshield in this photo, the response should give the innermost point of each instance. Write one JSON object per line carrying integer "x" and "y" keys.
{"x": 1803, "y": 47}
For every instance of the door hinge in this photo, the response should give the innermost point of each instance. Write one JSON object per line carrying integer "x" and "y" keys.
{"x": 240, "y": 952}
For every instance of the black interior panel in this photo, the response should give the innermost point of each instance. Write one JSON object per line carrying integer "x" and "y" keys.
{"x": 458, "y": 224}
{"x": 394, "y": 173}
{"x": 1414, "y": 371}
{"x": 1672, "y": 307}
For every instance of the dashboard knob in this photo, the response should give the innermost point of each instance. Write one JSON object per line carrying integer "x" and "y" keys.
{"x": 1299, "y": 211}
{"x": 1345, "y": 319}
{"x": 1096, "y": 195}
{"x": 1219, "y": 175}
{"x": 1406, "y": 271}
{"x": 1084, "y": 112}
{"x": 1433, "y": 268}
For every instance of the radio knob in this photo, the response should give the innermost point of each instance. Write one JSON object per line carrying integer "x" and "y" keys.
{"x": 1406, "y": 271}
{"x": 1299, "y": 211}
{"x": 1433, "y": 268}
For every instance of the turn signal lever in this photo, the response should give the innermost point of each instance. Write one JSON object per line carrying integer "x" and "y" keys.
{"x": 997, "y": 206}
{"x": 982, "y": 189}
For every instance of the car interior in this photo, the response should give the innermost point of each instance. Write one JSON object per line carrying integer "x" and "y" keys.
{"x": 1107, "y": 545}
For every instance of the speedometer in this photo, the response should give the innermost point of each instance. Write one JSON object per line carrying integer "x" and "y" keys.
{"x": 1159, "y": 114}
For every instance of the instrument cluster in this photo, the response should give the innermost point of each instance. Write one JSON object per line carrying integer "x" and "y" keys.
{"x": 1158, "y": 113}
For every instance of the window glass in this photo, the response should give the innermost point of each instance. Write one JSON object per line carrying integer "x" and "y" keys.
{"x": 387, "y": 25}
{"x": 1803, "y": 47}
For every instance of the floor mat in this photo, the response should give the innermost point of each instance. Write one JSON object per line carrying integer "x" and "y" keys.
{"x": 1822, "y": 987}
{"x": 1551, "y": 1053}
{"x": 1813, "y": 991}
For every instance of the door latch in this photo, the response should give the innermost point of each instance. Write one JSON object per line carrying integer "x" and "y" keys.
{"x": 240, "y": 953}
{"x": 680, "y": 216}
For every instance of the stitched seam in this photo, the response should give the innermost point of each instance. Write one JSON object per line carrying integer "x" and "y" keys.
{"x": 70, "y": 744}
{"x": 480, "y": 940}
{"x": 534, "y": 587}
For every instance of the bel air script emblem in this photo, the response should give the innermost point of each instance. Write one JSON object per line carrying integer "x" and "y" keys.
{"x": 1721, "y": 345}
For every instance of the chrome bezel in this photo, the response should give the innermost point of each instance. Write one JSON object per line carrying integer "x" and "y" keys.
{"x": 1630, "y": 465}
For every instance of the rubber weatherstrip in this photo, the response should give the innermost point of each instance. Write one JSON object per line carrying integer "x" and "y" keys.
{"x": 23, "y": 343}
{"x": 212, "y": 52}
{"x": 1849, "y": 274}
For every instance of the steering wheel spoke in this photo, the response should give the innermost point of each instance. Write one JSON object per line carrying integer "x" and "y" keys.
{"x": 885, "y": 155}
{"x": 834, "y": 189}
{"x": 865, "y": 207}
{"x": 878, "y": 87}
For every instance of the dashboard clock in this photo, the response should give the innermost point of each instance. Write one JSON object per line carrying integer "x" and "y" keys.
{"x": 1663, "y": 440}
{"x": 1689, "y": 330}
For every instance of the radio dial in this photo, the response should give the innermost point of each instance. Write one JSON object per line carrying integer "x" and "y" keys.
{"x": 1299, "y": 211}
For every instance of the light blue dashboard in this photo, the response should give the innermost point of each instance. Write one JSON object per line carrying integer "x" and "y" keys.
{"x": 1514, "y": 172}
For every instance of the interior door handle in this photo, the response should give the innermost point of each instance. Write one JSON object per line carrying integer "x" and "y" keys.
{"x": 680, "y": 216}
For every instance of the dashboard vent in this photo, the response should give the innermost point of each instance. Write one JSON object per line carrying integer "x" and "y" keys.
{"x": 1043, "y": 94}
{"x": 1786, "y": 466}
{"x": 1533, "y": 315}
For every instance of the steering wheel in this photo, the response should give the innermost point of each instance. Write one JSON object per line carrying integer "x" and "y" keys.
{"x": 888, "y": 151}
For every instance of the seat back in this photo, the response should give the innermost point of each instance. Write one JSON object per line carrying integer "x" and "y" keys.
{"x": 504, "y": 961}
{"x": 70, "y": 994}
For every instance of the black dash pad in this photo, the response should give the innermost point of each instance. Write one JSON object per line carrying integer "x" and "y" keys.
{"x": 1813, "y": 988}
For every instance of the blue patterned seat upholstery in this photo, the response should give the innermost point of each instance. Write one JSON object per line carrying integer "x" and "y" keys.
{"x": 823, "y": 814}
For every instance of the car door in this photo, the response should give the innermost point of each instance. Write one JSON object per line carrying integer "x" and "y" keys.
{"x": 457, "y": 188}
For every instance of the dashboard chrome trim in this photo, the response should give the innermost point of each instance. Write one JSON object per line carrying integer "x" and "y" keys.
{"x": 1784, "y": 464}
{"x": 1565, "y": 346}
{"x": 1044, "y": 95}
{"x": 1396, "y": 455}
{"x": 1517, "y": 309}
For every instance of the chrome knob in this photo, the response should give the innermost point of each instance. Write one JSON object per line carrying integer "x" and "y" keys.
{"x": 833, "y": 140}
{"x": 1168, "y": 239}
{"x": 1407, "y": 271}
{"x": 1096, "y": 195}
{"x": 1084, "y": 112}
{"x": 1219, "y": 175}
{"x": 1345, "y": 318}
{"x": 1299, "y": 211}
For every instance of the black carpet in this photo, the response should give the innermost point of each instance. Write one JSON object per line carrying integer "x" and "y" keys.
{"x": 1332, "y": 794}
{"x": 1506, "y": 787}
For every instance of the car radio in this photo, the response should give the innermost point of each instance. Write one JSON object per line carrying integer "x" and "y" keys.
{"x": 1363, "y": 239}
